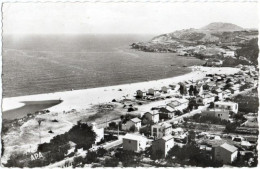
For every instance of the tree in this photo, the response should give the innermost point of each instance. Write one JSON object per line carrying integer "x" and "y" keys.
{"x": 192, "y": 104}
{"x": 195, "y": 91}
{"x": 91, "y": 157}
{"x": 211, "y": 105}
{"x": 157, "y": 155}
{"x": 178, "y": 112}
{"x": 132, "y": 129}
{"x": 216, "y": 98}
{"x": 111, "y": 162}
{"x": 128, "y": 158}
{"x": 231, "y": 127}
{"x": 183, "y": 89}
{"x": 2, "y": 147}
{"x": 101, "y": 152}
{"x": 191, "y": 90}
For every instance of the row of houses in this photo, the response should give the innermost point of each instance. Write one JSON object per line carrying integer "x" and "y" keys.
{"x": 225, "y": 153}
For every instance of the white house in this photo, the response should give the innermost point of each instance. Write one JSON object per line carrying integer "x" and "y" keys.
{"x": 152, "y": 116}
{"x": 140, "y": 94}
{"x": 230, "y": 106}
{"x": 161, "y": 129}
{"x": 166, "y": 89}
{"x": 134, "y": 142}
{"x": 153, "y": 92}
{"x": 163, "y": 144}
{"x": 225, "y": 153}
{"x": 135, "y": 122}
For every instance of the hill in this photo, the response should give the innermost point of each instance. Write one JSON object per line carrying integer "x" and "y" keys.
{"x": 220, "y": 26}
{"x": 218, "y": 35}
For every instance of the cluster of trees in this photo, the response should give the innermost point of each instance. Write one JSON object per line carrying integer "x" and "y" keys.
{"x": 247, "y": 103}
{"x": 128, "y": 158}
{"x": 231, "y": 127}
{"x": 81, "y": 134}
{"x": 193, "y": 91}
{"x": 208, "y": 119}
{"x": 190, "y": 154}
{"x": 91, "y": 157}
{"x": 250, "y": 50}
{"x": 243, "y": 161}
{"x": 107, "y": 138}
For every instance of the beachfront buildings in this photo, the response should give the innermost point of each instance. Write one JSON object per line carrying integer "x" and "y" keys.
{"x": 175, "y": 87}
{"x": 163, "y": 144}
{"x": 140, "y": 94}
{"x": 152, "y": 116}
{"x": 132, "y": 123}
{"x": 230, "y": 106}
{"x": 134, "y": 142}
{"x": 166, "y": 89}
{"x": 225, "y": 153}
{"x": 219, "y": 113}
{"x": 161, "y": 129}
{"x": 153, "y": 92}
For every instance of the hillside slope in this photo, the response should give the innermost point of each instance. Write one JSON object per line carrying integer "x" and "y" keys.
{"x": 219, "y": 36}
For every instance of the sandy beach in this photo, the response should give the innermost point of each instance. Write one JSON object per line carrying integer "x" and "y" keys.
{"x": 83, "y": 99}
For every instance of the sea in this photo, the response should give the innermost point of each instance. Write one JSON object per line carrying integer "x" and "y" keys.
{"x": 35, "y": 64}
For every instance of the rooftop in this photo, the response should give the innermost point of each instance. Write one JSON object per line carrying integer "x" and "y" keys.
{"x": 131, "y": 136}
{"x": 225, "y": 103}
{"x": 165, "y": 125}
{"x": 168, "y": 137}
{"x": 136, "y": 120}
{"x": 229, "y": 147}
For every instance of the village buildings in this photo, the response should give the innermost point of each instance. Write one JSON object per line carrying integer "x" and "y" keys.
{"x": 163, "y": 144}
{"x": 178, "y": 104}
{"x": 161, "y": 129}
{"x": 153, "y": 92}
{"x": 132, "y": 123}
{"x": 134, "y": 142}
{"x": 230, "y": 106}
{"x": 152, "y": 116}
{"x": 140, "y": 94}
{"x": 225, "y": 153}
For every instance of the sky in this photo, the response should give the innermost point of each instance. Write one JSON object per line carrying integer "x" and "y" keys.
{"x": 122, "y": 18}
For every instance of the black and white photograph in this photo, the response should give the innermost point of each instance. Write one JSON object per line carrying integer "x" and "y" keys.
{"x": 89, "y": 84}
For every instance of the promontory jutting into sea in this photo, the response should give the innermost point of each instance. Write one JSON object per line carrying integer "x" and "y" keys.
{"x": 130, "y": 84}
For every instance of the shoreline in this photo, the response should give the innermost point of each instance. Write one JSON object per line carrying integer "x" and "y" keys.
{"x": 84, "y": 98}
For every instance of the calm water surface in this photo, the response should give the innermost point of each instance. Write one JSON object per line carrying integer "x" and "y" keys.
{"x": 44, "y": 64}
